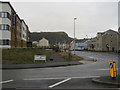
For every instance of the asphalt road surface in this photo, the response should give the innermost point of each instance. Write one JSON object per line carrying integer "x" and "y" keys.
{"x": 69, "y": 77}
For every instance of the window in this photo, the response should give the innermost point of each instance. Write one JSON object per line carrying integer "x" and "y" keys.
{"x": 4, "y": 14}
{"x": 5, "y": 42}
{"x": 13, "y": 19}
{"x": 23, "y": 35}
{"x": 4, "y": 27}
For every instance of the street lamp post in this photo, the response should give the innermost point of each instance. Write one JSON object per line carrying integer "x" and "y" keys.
{"x": 74, "y": 33}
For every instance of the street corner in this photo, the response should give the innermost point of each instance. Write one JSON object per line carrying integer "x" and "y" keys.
{"x": 107, "y": 80}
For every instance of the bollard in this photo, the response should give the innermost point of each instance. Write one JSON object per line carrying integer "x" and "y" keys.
{"x": 113, "y": 71}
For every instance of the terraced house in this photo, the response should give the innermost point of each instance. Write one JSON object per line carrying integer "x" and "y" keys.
{"x": 13, "y": 30}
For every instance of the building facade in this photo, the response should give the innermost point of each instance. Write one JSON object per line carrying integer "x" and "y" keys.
{"x": 81, "y": 44}
{"x": 5, "y": 25}
{"x": 64, "y": 46}
{"x": 43, "y": 43}
{"x": 23, "y": 34}
{"x": 11, "y": 28}
{"x": 105, "y": 41}
{"x": 34, "y": 43}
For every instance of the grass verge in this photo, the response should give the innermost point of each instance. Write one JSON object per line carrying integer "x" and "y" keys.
{"x": 23, "y": 56}
{"x": 70, "y": 57}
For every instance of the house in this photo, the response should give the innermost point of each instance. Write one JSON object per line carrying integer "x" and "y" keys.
{"x": 63, "y": 46}
{"x": 34, "y": 43}
{"x": 105, "y": 41}
{"x": 43, "y": 43}
{"x": 81, "y": 44}
{"x": 12, "y": 34}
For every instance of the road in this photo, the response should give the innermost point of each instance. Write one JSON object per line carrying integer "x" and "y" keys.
{"x": 69, "y": 77}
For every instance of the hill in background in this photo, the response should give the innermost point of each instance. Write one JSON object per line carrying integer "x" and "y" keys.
{"x": 53, "y": 37}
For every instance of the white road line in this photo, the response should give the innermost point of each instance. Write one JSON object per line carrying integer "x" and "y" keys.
{"x": 56, "y": 84}
{"x": 60, "y": 78}
{"x": 6, "y": 81}
{"x": 103, "y": 69}
{"x": 43, "y": 78}
{"x": 86, "y": 77}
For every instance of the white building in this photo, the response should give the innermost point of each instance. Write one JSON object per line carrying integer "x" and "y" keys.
{"x": 81, "y": 44}
{"x": 23, "y": 30}
{"x": 13, "y": 30}
{"x": 43, "y": 43}
{"x": 63, "y": 46}
{"x": 5, "y": 24}
{"x": 34, "y": 43}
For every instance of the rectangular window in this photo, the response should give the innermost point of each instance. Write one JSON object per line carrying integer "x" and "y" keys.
{"x": 4, "y": 27}
{"x": 13, "y": 19}
{"x": 4, "y": 14}
{"x": 5, "y": 42}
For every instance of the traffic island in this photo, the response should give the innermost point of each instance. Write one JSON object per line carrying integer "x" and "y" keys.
{"x": 107, "y": 80}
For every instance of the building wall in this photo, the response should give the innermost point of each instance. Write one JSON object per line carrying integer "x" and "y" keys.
{"x": 17, "y": 33}
{"x": 24, "y": 30}
{"x": 24, "y": 34}
{"x": 79, "y": 45}
{"x": 110, "y": 39}
{"x": 6, "y": 7}
{"x": 27, "y": 33}
{"x": 107, "y": 41}
{"x": 43, "y": 43}
{"x": 13, "y": 29}
{"x": 6, "y": 33}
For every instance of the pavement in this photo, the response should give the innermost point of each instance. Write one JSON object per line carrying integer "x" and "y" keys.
{"x": 108, "y": 80}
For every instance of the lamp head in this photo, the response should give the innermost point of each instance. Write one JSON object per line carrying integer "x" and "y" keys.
{"x": 75, "y": 18}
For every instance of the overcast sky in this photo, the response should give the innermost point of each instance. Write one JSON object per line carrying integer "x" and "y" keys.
{"x": 92, "y": 17}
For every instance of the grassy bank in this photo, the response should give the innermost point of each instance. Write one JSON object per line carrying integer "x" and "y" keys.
{"x": 70, "y": 57}
{"x": 23, "y": 56}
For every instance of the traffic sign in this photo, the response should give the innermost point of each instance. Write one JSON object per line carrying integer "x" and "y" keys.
{"x": 111, "y": 65}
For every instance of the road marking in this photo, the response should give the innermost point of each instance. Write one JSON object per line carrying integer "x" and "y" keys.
{"x": 43, "y": 78}
{"x": 6, "y": 81}
{"x": 87, "y": 77}
{"x": 28, "y": 69}
{"x": 103, "y": 69}
{"x": 59, "y": 78}
{"x": 56, "y": 84}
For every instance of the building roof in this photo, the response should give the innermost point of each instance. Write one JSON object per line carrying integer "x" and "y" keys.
{"x": 110, "y": 32}
{"x": 44, "y": 39}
